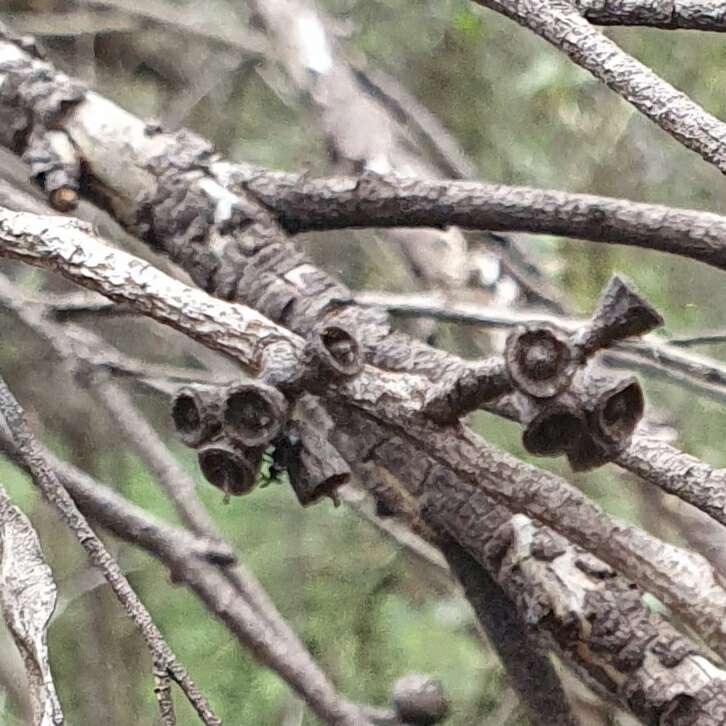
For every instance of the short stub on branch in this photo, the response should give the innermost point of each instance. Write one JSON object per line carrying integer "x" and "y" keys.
{"x": 620, "y": 313}
{"x": 540, "y": 360}
{"x": 231, "y": 468}
{"x": 254, "y": 413}
{"x": 465, "y": 392}
{"x": 197, "y": 413}
{"x": 419, "y": 700}
{"x": 55, "y": 167}
{"x": 332, "y": 352}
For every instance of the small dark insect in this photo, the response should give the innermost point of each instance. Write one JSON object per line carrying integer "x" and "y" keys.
{"x": 285, "y": 457}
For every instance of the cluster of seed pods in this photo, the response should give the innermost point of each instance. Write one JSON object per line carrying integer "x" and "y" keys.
{"x": 568, "y": 406}
{"x": 232, "y": 427}
{"x": 544, "y": 378}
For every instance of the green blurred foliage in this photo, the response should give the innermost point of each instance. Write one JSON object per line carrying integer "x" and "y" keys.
{"x": 525, "y": 115}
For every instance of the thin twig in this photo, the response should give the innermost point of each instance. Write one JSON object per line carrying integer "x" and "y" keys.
{"x": 715, "y": 337}
{"x": 652, "y": 355}
{"x": 558, "y": 22}
{"x": 51, "y": 488}
{"x": 671, "y": 15}
{"x": 198, "y": 563}
{"x": 164, "y": 701}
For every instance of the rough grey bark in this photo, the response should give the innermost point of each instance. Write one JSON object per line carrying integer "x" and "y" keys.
{"x": 302, "y": 204}
{"x": 449, "y": 487}
{"x": 171, "y": 201}
{"x": 620, "y": 650}
{"x": 558, "y": 22}
{"x": 657, "y": 462}
{"x": 392, "y": 398}
{"x": 666, "y": 14}
{"x": 536, "y": 684}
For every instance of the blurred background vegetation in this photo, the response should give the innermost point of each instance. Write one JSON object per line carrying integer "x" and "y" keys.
{"x": 524, "y": 115}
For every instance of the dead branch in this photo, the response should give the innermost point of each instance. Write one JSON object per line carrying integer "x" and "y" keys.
{"x": 177, "y": 485}
{"x": 45, "y": 479}
{"x": 653, "y": 355}
{"x": 393, "y": 400}
{"x": 308, "y": 293}
{"x": 558, "y": 22}
{"x": 673, "y": 15}
{"x": 302, "y": 204}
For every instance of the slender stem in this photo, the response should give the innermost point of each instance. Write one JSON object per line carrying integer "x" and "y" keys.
{"x": 52, "y": 489}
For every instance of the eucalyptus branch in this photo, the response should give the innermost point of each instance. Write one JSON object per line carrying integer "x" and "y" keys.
{"x": 657, "y": 462}
{"x": 250, "y": 260}
{"x": 52, "y": 489}
{"x": 175, "y": 482}
{"x": 559, "y": 22}
{"x": 257, "y": 342}
{"x": 653, "y": 355}
{"x": 302, "y": 204}
{"x": 672, "y": 15}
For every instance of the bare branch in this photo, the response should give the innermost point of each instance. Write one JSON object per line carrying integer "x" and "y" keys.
{"x": 657, "y": 462}
{"x": 675, "y": 14}
{"x": 653, "y": 355}
{"x": 258, "y": 266}
{"x": 301, "y": 204}
{"x": 69, "y": 246}
{"x": 558, "y": 22}
{"x": 178, "y": 486}
{"x": 669, "y": 572}
{"x": 361, "y": 131}
{"x": 199, "y": 564}
{"x": 714, "y": 337}
{"x": 46, "y": 480}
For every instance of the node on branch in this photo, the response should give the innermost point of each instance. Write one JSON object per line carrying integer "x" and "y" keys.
{"x": 55, "y": 166}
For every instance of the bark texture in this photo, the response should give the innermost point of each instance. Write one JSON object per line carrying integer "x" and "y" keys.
{"x": 175, "y": 194}
{"x": 558, "y": 22}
